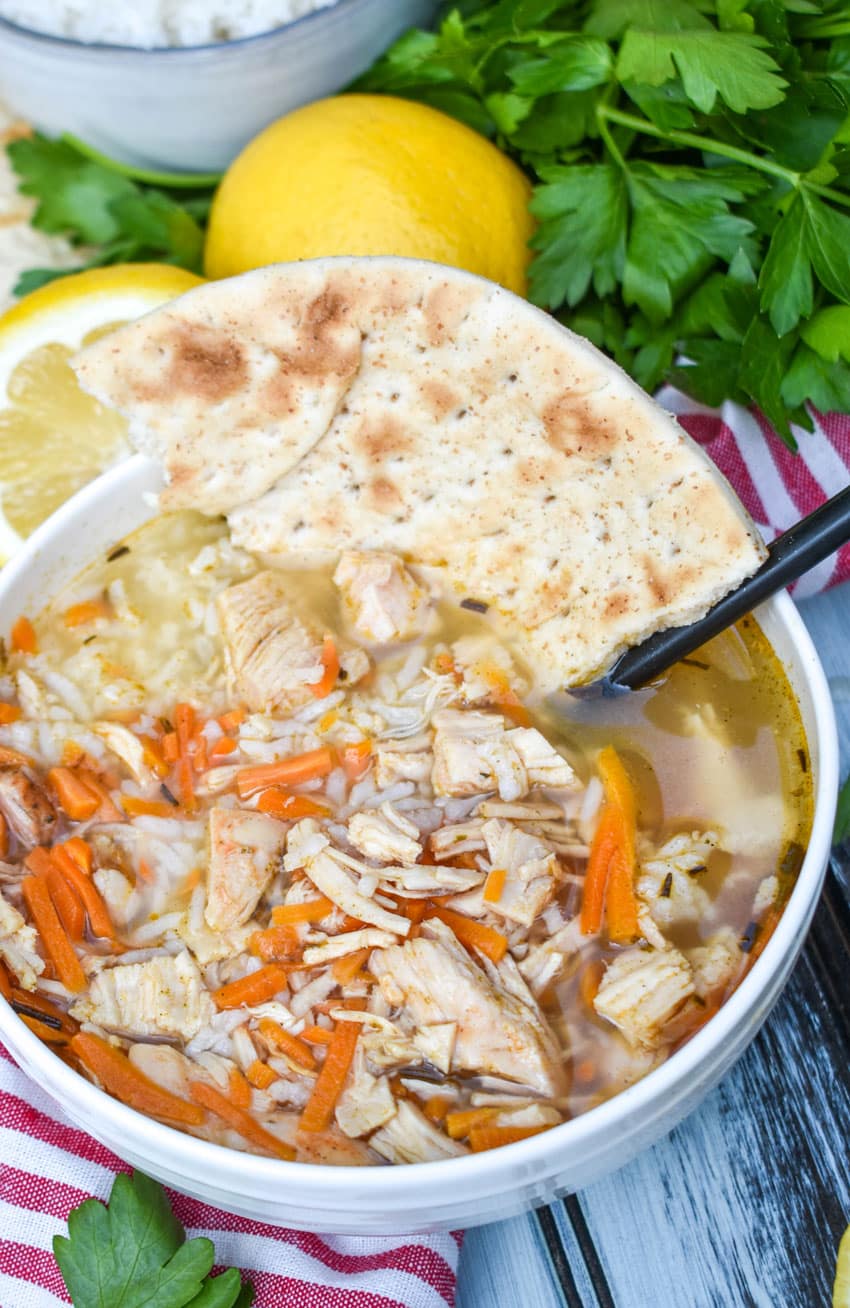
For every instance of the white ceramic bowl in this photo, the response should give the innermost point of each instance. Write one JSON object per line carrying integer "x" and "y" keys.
{"x": 459, "y": 1192}
{"x": 193, "y": 108}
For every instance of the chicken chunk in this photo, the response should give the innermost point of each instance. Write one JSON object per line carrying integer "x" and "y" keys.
{"x": 486, "y": 670}
{"x": 126, "y": 746}
{"x": 531, "y": 870}
{"x": 27, "y": 808}
{"x": 409, "y": 1137}
{"x": 396, "y": 761}
{"x": 458, "y": 838}
{"x": 500, "y": 1030}
{"x": 385, "y": 836}
{"x": 163, "y": 997}
{"x": 328, "y": 869}
{"x": 380, "y": 598}
{"x": 273, "y": 656}
{"x": 472, "y": 756}
{"x": 542, "y": 762}
{"x": 245, "y": 850}
{"x": 18, "y": 946}
{"x": 642, "y": 990}
{"x": 668, "y": 883}
{"x": 715, "y": 963}
{"x": 366, "y": 1102}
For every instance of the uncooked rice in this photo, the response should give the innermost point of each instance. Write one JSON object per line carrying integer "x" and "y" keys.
{"x": 152, "y": 24}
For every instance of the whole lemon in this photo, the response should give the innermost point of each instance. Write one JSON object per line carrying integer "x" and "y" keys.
{"x": 371, "y": 174}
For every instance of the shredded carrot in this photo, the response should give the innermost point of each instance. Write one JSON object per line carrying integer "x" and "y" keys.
{"x": 48, "y": 1034}
{"x": 280, "y": 1040}
{"x": 23, "y": 637}
{"x": 618, "y": 788}
{"x": 72, "y": 754}
{"x": 589, "y": 982}
{"x": 184, "y": 723}
{"x": 491, "y": 1137}
{"x": 275, "y": 943}
{"x": 4, "y": 837}
{"x": 54, "y": 937}
{"x": 330, "y": 666}
{"x": 134, "y": 806}
{"x": 239, "y": 1089}
{"x": 232, "y": 720}
{"x": 444, "y": 664}
{"x": 312, "y": 910}
{"x": 260, "y": 1075}
{"x": 283, "y": 804}
{"x": 38, "y": 861}
{"x": 89, "y": 611}
{"x": 316, "y": 1035}
{"x": 144, "y": 871}
{"x": 224, "y": 745}
{"x": 76, "y": 798}
{"x": 241, "y": 1121}
{"x": 355, "y": 759}
{"x": 596, "y": 874}
{"x": 170, "y": 747}
{"x": 609, "y": 879}
{"x": 153, "y": 756}
{"x": 585, "y": 1071}
{"x": 503, "y": 694}
{"x": 287, "y": 772}
{"x": 6, "y": 981}
{"x": 413, "y": 909}
{"x": 185, "y": 784}
{"x": 80, "y": 852}
{"x": 37, "y": 1001}
{"x": 67, "y": 903}
{"x": 254, "y": 989}
{"x": 345, "y": 969}
{"x": 620, "y": 899}
{"x": 472, "y": 934}
{"x": 436, "y": 1107}
{"x": 199, "y": 757}
{"x": 122, "y": 1079}
{"x": 319, "y": 1108}
{"x": 325, "y": 723}
{"x": 460, "y": 1124}
{"x": 98, "y": 914}
{"x": 494, "y": 885}
{"x": 9, "y": 713}
{"x": 108, "y": 810}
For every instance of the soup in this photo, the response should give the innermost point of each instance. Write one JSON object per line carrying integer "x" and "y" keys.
{"x": 299, "y": 861}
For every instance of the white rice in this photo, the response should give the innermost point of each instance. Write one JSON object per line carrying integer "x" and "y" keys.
{"x": 153, "y": 23}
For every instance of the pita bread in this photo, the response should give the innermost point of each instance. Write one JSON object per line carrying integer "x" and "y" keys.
{"x": 390, "y": 404}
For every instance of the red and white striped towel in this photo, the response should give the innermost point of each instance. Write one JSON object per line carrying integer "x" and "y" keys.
{"x": 48, "y": 1166}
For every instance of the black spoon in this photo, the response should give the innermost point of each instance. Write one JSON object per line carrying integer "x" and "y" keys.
{"x": 804, "y": 545}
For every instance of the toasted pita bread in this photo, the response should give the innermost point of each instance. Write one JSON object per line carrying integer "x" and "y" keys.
{"x": 390, "y": 404}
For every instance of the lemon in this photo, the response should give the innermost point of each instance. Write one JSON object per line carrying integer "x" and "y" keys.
{"x": 53, "y": 437}
{"x": 841, "y": 1286}
{"x": 372, "y": 174}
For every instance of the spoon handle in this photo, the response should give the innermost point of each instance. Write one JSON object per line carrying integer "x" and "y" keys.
{"x": 800, "y": 548}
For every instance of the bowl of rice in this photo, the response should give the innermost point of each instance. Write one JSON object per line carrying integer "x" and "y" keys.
{"x": 184, "y": 84}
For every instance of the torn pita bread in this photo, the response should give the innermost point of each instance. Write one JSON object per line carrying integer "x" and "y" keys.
{"x": 390, "y": 404}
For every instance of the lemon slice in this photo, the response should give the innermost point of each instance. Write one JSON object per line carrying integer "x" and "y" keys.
{"x": 841, "y": 1285}
{"x": 53, "y": 437}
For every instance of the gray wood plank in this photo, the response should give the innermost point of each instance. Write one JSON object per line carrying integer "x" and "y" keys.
{"x": 505, "y": 1265}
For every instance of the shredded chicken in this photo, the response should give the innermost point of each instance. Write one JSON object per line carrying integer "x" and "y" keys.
{"x": 18, "y": 946}
{"x": 668, "y": 883}
{"x": 366, "y": 1102}
{"x": 245, "y": 849}
{"x": 531, "y": 871}
{"x": 716, "y": 963}
{"x": 308, "y": 848}
{"x": 486, "y": 670}
{"x": 403, "y": 760}
{"x": 385, "y": 836}
{"x": 163, "y": 997}
{"x": 27, "y": 808}
{"x": 642, "y": 990}
{"x": 473, "y": 754}
{"x": 458, "y": 838}
{"x": 409, "y": 1137}
{"x": 379, "y": 596}
{"x": 126, "y": 746}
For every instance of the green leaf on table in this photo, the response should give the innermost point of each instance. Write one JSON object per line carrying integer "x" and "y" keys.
{"x": 133, "y": 1253}
{"x": 842, "y": 815}
{"x": 811, "y": 237}
{"x": 731, "y": 65}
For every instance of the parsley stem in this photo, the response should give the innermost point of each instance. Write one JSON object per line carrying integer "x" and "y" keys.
{"x": 711, "y": 146}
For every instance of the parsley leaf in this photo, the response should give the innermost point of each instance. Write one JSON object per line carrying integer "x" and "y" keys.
{"x": 732, "y": 65}
{"x": 133, "y": 1253}
{"x": 842, "y": 816}
{"x": 582, "y": 233}
{"x": 810, "y": 238}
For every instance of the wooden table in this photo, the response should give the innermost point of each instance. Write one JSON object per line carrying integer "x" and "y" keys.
{"x": 743, "y": 1205}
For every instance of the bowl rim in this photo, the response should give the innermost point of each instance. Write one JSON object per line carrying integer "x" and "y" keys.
{"x": 113, "y": 48}
{"x": 495, "y": 1169}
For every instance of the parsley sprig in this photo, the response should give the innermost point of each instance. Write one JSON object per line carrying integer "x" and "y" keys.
{"x": 691, "y": 161}
{"x": 133, "y": 1253}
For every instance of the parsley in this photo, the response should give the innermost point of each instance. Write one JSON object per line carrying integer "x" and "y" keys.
{"x": 110, "y": 206}
{"x": 842, "y": 816}
{"x": 133, "y": 1253}
{"x": 691, "y": 170}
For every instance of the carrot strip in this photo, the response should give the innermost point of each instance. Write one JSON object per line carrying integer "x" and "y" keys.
{"x": 345, "y": 969}
{"x": 330, "y": 666}
{"x": 67, "y": 903}
{"x": 413, "y": 909}
{"x": 76, "y": 798}
{"x": 316, "y": 1035}
{"x": 232, "y": 720}
{"x": 199, "y": 757}
{"x": 185, "y": 784}
{"x": 355, "y": 759}
{"x": 491, "y": 1137}
{"x": 312, "y": 910}
{"x": 184, "y": 722}
{"x": 98, "y": 915}
{"x": 80, "y": 852}
{"x": 4, "y": 837}
{"x": 620, "y": 899}
{"x": 279, "y": 1039}
{"x": 260, "y": 1075}
{"x": 318, "y": 1111}
{"x": 122, "y": 1079}
{"x": 618, "y": 787}
{"x": 436, "y": 1107}
{"x": 23, "y": 637}
{"x": 253, "y": 989}
{"x": 460, "y": 1124}
{"x": 275, "y": 943}
{"x": 609, "y": 880}
{"x": 38, "y": 861}
{"x": 589, "y": 982}
{"x": 108, "y": 810}
{"x": 239, "y": 1089}
{"x": 135, "y": 807}
{"x": 224, "y": 745}
{"x": 9, "y": 713}
{"x": 472, "y": 934}
{"x": 494, "y": 885}
{"x": 286, "y": 772}
{"x": 283, "y": 804}
{"x": 79, "y": 614}
{"x": 596, "y": 875}
{"x": 54, "y": 937}
{"x": 36, "y": 1001}
{"x": 241, "y": 1121}
{"x": 153, "y": 756}
{"x": 170, "y": 748}
{"x": 6, "y": 981}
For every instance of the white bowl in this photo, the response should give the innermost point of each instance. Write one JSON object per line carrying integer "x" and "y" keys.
{"x": 458, "y": 1192}
{"x": 193, "y": 108}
